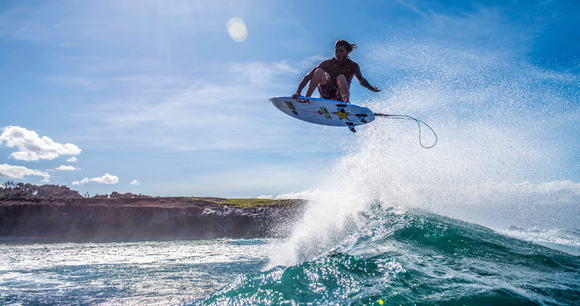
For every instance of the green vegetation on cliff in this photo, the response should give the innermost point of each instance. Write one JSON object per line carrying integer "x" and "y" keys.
{"x": 247, "y": 203}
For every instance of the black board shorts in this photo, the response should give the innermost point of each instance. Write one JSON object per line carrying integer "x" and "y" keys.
{"x": 330, "y": 91}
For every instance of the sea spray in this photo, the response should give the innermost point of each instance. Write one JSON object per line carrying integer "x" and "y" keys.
{"x": 496, "y": 164}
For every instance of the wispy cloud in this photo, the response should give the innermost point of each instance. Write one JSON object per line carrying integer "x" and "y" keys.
{"x": 109, "y": 21}
{"x": 310, "y": 62}
{"x": 135, "y": 183}
{"x": 241, "y": 181}
{"x": 262, "y": 72}
{"x": 555, "y": 192}
{"x": 412, "y": 6}
{"x": 198, "y": 115}
{"x": 33, "y": 147}
{"x": 33, "y": 24}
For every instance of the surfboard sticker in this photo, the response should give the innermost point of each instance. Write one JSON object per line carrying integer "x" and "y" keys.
{"x": 341, "y": 113}
{"x": 361, "y": 118}
{"x": 324, "y": 112}
{"x": 291, "y": 106}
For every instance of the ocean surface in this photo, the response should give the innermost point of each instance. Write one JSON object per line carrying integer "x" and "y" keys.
{"x": 135, "y": 273}
{"x": 408, "y": 257}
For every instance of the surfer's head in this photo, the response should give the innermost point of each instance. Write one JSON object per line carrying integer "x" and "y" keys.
{"x": 342, "y": 49}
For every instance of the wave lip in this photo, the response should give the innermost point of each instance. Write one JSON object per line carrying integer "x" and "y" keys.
{"x": 415, "y": 257}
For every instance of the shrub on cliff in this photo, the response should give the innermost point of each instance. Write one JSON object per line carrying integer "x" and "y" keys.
{"x": 103, "y": 196}
{"x": 29, "y": 191}
{"x": 128, "y": 195}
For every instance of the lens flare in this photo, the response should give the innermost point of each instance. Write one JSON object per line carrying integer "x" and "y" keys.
{"x": 237, "y": 29}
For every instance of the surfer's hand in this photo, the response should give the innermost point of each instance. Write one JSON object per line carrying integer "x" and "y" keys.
{"x": 295, "y": 96}
{"x": 375, "y": 89}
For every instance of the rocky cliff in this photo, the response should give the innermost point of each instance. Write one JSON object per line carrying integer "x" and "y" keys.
{"x": 134, "y": 219}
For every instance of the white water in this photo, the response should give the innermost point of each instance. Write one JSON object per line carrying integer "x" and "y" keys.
{"x": 505, "y": 130}
{"x": 127, "y": 273}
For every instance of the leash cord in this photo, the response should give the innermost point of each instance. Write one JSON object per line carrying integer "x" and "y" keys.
{"x": 407, "y": 117}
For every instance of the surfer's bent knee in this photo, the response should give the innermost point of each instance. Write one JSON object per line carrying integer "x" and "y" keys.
{"x": 341, "y": 80}
{"x": 320, "y": 76}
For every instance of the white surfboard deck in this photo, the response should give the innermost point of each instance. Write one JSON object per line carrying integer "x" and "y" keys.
{"x": 324, "y": 112}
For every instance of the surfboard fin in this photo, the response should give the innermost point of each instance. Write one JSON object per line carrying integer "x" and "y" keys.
{"x": 351, "y": 127}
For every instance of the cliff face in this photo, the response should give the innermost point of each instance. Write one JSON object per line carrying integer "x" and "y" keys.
{"x": 100, "y": 220}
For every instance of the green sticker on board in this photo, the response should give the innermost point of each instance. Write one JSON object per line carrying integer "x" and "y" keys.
{"x": 326, "y": 113}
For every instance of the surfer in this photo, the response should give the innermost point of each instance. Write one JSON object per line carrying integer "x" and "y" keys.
{"x": 333, "y": 76}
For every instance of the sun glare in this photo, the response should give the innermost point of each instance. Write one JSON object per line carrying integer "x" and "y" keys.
{"x": 237, "y": 29}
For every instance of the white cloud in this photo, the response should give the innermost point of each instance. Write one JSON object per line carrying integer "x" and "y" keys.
{"x": 105, "y": 179}
{"x": 67, "y": 168}
{"x": 72, "y": 160}
{"x": 32, "y": 147}
{"x": 19, "y": 172}
{"x": 135, "y": 183}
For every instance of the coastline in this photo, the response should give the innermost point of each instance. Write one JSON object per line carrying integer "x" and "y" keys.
{"x": 142, "y": 219}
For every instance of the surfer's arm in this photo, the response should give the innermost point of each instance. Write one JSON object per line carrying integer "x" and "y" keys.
{"x": 308, "y": 77}
{"x": 305, "y": 80}
{"x": 364, "y": 83}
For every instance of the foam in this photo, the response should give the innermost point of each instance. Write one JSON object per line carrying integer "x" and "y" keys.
{"x": 497, "y": 162}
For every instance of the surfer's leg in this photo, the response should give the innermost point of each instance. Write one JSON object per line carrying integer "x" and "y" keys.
{"x": 343, "y": 86}
{"x": 319, "y": 78}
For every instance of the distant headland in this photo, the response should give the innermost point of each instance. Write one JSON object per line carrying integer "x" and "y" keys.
{"x": 53, "y": 213}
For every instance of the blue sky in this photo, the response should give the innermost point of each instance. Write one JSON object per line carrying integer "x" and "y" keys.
{"x": 155, "y": 97}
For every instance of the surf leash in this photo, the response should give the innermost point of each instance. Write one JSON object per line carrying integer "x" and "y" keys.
{"x": 407, "y": 117}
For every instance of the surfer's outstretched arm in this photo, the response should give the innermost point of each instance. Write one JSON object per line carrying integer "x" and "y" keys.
{"x": 364, "y": 83}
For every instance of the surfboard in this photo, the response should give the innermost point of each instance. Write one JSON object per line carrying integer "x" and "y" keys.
{"x": 324, "y": 112}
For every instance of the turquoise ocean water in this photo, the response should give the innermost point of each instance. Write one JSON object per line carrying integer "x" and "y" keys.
{"x": 136, "y": 273}
{"x": 400, "y": 257}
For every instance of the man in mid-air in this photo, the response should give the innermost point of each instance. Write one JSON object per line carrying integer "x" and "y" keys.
{"x": 333, "y": 76}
